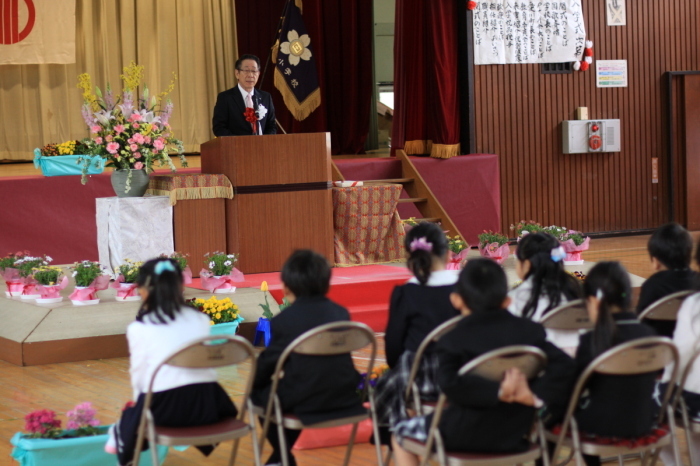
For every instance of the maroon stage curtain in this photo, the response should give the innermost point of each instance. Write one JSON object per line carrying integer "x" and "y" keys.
{"x": 341, "y": 40}
{"x": 426, "y": 101}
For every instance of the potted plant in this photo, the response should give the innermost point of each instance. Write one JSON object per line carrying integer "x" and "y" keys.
{"x": 574, "y": 243}
{"x": 409, "y": 223}
{"x": 494, "y": 246}
{"x": 458, "y": 249}
{"x": 125, "y": 283}
{"x": 67, "y": 158}
{"x": 224, "y": 315}
{"x": 220, "y": 274}
{"x": 25, "y": 267}
{"x": 10, "y": 274}
{"x": 89, "y": 278}
{"x": 525, "y": 227}
{"x": 50, "y": 281}
{"x": 131, "y": 136}
{"x": 45, "y": 443}
{"x": 182, "y": 261}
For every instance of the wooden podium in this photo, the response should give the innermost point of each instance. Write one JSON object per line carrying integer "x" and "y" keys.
{"x": 282, "y": 199}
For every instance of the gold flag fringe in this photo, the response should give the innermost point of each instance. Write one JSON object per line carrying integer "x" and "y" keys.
{"x": 187, "y": 194}
{"x": 300, "y": 110}
{"x": 419, "y": 146}
{"x": 445, "y": 151}
{"x": 298, "y": 4}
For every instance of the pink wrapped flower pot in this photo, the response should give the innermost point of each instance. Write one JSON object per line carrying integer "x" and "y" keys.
{"x": 125, "y": 291}
{"x": 495, "y": 252}
{"x": 86, "y": 295}
{"x": 221, "y": 283}
{"x": 51, "y": 293}
{"x": 454, "y": 261}
{"x": 573, "y": 252}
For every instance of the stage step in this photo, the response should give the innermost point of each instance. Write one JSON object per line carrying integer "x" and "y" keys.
{"x": 391, "y": 181}
{"x": 414, "y": 200}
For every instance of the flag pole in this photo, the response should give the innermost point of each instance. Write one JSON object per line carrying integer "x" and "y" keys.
{"x": 269, "y": 54}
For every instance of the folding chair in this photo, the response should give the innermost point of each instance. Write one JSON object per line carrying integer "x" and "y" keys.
{"x": 689, "y": 425}
{"x": 572, "y": 315}
{"x": 325, "y": 340}
{"x": 667, "y": 307}
{"x": 492, "y": 365}
{"x": 640, "y": 356}
{"x": 207, "y": 352}
{"x": 412, "y": 394}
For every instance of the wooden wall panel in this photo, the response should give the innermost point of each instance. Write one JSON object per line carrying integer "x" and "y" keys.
{"x": 519, "y": 113}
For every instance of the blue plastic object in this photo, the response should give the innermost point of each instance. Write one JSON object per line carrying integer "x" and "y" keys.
{"x": 81, "y": 451}
{"x": 62, "y": 165}
{"x": 262, "y": 332}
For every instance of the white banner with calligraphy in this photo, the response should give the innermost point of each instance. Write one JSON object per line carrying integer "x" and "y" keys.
{"x": 37, "y": 31}
{"x": 528, "y": 31}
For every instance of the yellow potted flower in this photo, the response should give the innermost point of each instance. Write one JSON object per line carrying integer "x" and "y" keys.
{"x": 224, "y": 315}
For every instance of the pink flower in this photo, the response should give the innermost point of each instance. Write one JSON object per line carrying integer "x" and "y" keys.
{"x": 138, "y": 138}
{"x": 112, "y": 147}
{"x": 134, "y": 147}
{"x": 108, "y": 138}
{"x": 95, "y": 128}
{"x": 137, "y": 155}
{"x": 135, "y": 117}
{"x": 98, "y": 140}
{"x": 135, "y": 126}
{"x": 159, "y": 144}
{"x": 138, "y": 165}
{"x": 148, "y": 139}
{"x": 119, "y": 129}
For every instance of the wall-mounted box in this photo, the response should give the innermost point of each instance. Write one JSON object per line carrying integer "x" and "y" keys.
{"x": 586, "y": 136}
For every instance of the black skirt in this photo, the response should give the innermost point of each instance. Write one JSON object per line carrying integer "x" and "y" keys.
{"x": 191, "y": 405}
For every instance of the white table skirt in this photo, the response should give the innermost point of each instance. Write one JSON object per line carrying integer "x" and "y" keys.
{"x": 136, "y": 228}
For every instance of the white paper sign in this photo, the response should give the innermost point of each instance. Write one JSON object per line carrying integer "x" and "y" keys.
{"x": 616, "y": 12}
{"x": 528, "y": 31}
{"x": 611, "y": 73}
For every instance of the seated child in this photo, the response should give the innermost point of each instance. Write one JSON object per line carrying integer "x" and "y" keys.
{"x": 182, "y": 397}
{"x": 613, "y": 405}
{"x": 670, "y": 248}
{"x": 312, "y": 385}
{"x": 486, "y": 416}
{"x": 415, "y": 309}
{"x": 546, "y": 285}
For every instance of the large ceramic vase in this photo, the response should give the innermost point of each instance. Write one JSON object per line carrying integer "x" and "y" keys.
{"x": 139, "y": 182}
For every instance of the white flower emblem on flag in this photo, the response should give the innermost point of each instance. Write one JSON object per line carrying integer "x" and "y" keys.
{"x": 296, "y": 47}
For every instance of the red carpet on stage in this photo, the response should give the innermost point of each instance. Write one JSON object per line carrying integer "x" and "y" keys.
{"x": 468, "y": 187}
{"x": 364, "y": 290}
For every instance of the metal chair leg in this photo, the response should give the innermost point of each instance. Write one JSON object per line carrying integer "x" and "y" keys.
{"x": 351, "y": 441}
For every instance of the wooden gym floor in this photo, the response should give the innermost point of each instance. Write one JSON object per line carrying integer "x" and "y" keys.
{"x": 105, "y": 383}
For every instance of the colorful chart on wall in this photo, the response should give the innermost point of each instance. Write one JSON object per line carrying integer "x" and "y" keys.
{"x": 611, "y": 73}
{"x": 528, "y": 31}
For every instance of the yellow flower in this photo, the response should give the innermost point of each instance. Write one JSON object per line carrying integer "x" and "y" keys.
{"x": 218, "y": 315}
{"x": 263, "y": 286}
{"x": 211, "y": 322}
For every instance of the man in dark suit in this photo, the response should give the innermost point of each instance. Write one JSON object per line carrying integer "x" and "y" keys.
{"x": 314, "y": 388}
{"x": 230, "y": 116}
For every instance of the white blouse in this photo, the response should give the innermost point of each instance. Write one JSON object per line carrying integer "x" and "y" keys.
{"x": 150, "y": 343}
{"x": 519, "y": 297}
{"x": 687, "y": 339}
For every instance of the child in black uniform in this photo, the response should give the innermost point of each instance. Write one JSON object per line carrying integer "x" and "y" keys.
{"x": 486, "y": 416}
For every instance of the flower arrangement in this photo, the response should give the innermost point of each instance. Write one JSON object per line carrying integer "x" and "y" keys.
{"x": 129, "y": 135}
{"x": 178, "y": 257}
{"x": 411, "y": 221}
{"x": 219, "y": 263}
{"x": 577, "y": 274}
{"x": 26, "y": 265}
{"x": 525, "y": 227}
{"x": 556, "y": 231}
{"x": 42, "y": 424}
{"x": 129, "y": 270}
{"x": 86, "y": 272}
{"x": 490, "y": 237}
{"x": 8, "y": 262}
{"x": 267, "y": 312}
{"x": 81, "y": 421}
{"x": 494, "y": 246}
{"x": 377, "y": 372}
{"x": 575, "y": 236}
{"x": 219, "y": 311}
{"x": 47, "y": 275}
{"x": 456, "y": 244}
{"x": 65, "y": 148}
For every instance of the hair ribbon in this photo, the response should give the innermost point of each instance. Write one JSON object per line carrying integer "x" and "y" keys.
{"x": 421, "y": 244}
{"x": 164, "y": 265}
{"x": 557, "y": 254}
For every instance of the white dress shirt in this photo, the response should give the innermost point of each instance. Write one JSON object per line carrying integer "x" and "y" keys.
{"x": 519, "y": 297}
{"x": 439, "y": 278}
{"x": 150, "y": 343}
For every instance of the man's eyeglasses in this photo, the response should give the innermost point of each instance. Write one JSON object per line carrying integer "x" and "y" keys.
{"x": 249, "y": 71}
